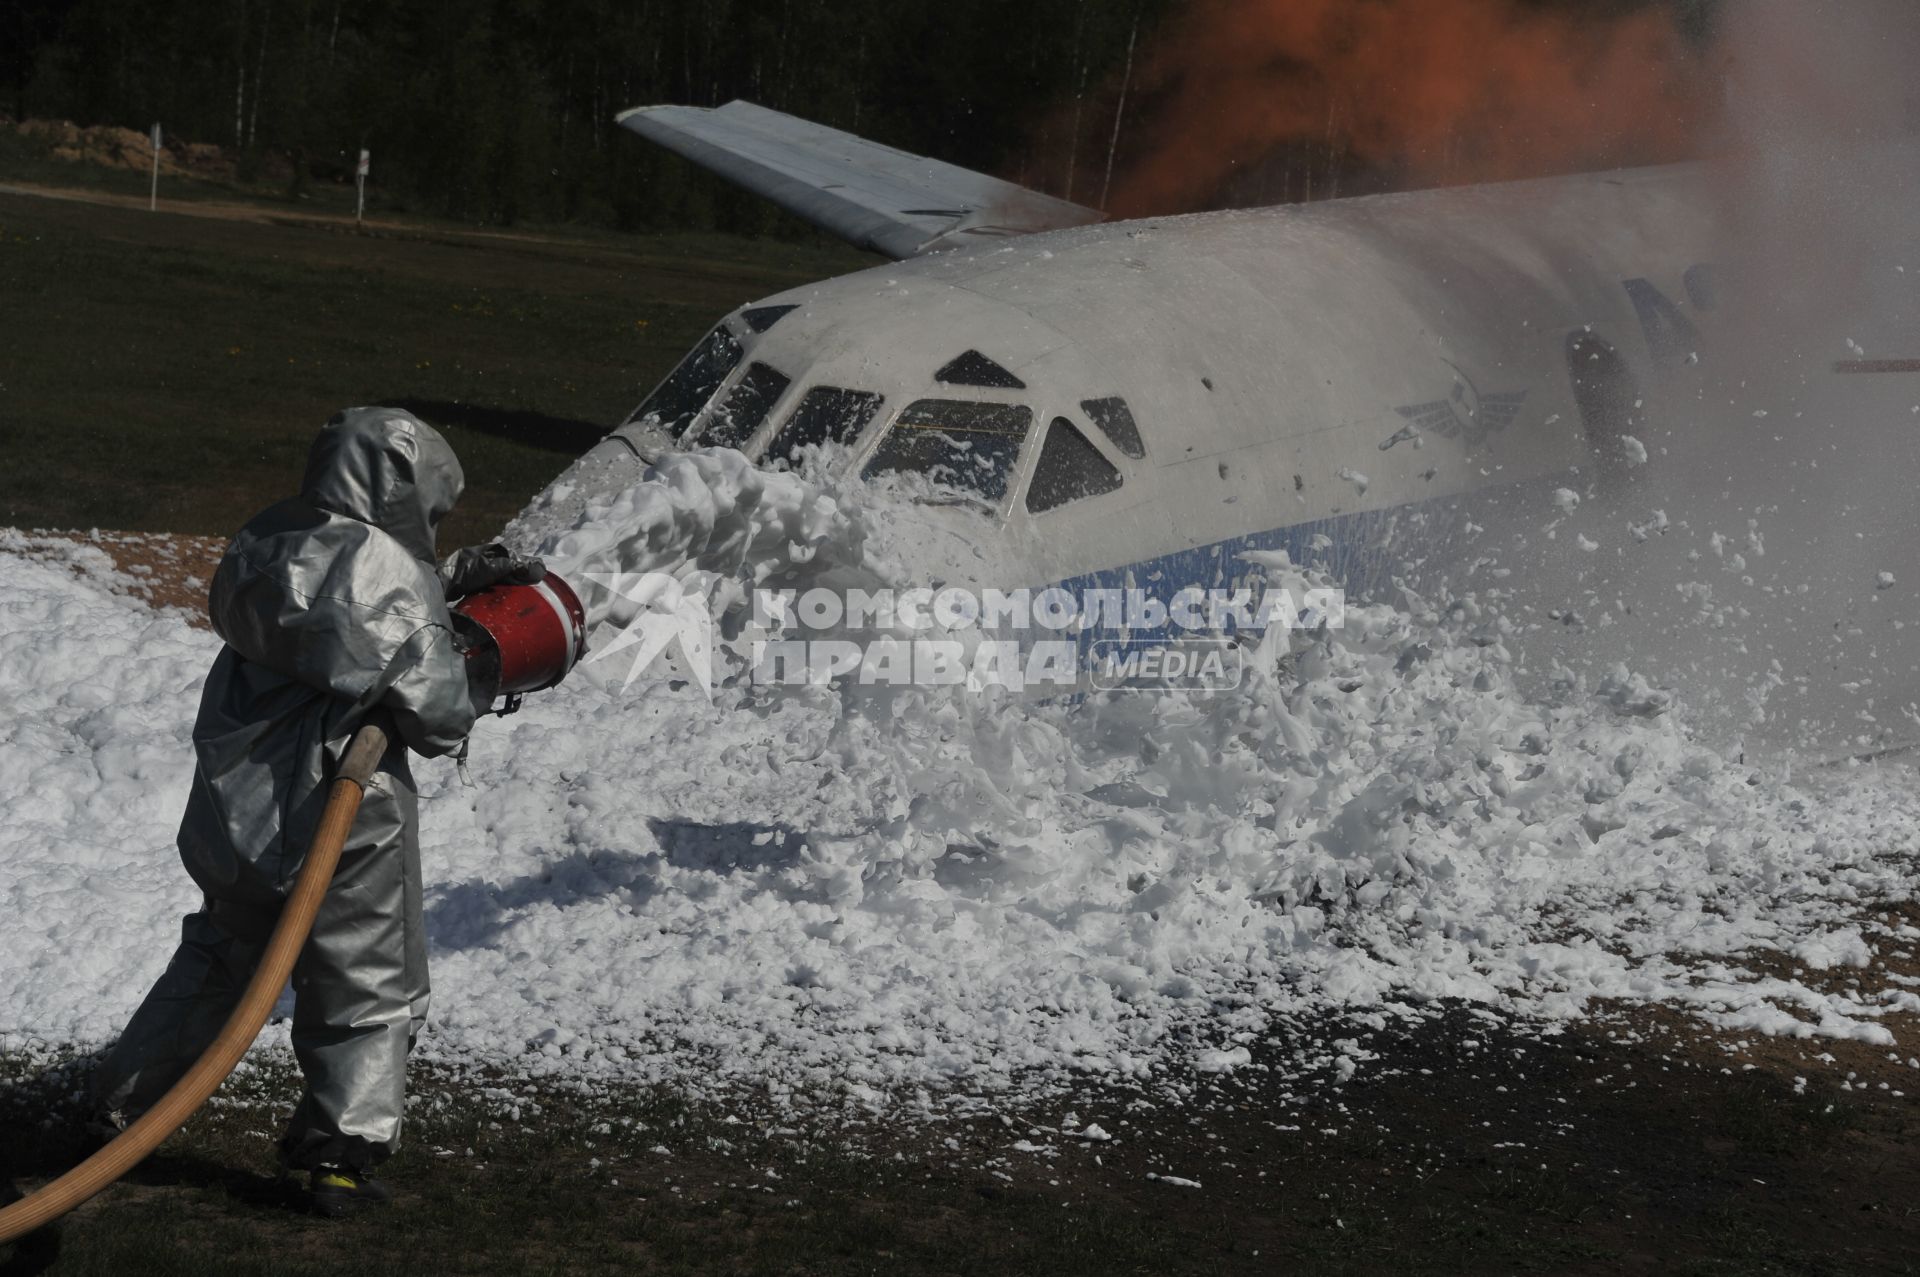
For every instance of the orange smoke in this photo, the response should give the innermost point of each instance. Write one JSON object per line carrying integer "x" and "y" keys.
{"x": 1423, "y": 91}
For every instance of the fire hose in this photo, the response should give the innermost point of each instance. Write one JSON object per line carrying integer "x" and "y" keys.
{"x": 289, "y": 934}
{"x": 516, "y": 639}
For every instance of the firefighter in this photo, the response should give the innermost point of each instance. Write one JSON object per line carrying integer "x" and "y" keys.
{"x": 334, "y": 614}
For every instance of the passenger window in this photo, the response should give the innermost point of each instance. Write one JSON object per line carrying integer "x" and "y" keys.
{"x": 745, "y": 406}
{"x": 827, "y": 414}
{"x": 1070, "y": 468}
{"x": 955, "y": 442}
{"x": 1115, "y": 421}
{"x": 679, "y": 399}
{"x": 971, "y": 368}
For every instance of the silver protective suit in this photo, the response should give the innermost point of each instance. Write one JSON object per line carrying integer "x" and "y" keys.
{"x": 333, "y": 616}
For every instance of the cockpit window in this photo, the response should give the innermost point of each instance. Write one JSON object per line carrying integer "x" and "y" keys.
{"x": 1070, "y": 468}
{"x": 971, "y": 368}
{"x": 827, "y": 414}
{"x": 679, "y": 399}
{"x": 1115, "y": 421}
{"x": 761, "y": 318}
{"x": 955, "y": 442}
{"x": 733, "y": 422}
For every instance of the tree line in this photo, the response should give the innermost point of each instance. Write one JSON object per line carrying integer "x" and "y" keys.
{"x": 501, "y": 111}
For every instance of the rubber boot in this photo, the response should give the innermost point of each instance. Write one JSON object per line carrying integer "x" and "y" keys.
{"x": 102, "y": 1127}
{"x": 339, "y": 1191}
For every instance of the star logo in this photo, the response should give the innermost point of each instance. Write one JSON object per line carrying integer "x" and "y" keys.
{"x": 658, "y": 618}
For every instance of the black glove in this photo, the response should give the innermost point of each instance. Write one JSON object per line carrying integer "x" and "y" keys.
{"x": 473, "y": 569}
{"x": 482, "y": 657}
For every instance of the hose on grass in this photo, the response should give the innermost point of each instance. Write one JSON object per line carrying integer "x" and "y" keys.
{"x": 256, "y": 1003}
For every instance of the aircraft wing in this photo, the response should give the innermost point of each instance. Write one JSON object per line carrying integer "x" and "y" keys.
{"x": 870, "y": 195}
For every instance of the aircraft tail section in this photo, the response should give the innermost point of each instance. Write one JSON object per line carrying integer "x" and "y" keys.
{"x": 872, "y": 196}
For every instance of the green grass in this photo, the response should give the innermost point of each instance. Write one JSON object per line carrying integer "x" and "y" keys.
{"x": 165, "y": 372}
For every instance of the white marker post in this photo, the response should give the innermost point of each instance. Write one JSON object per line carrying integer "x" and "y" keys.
{"x": 359, "y": 186}
{"x": 153, "y": 193}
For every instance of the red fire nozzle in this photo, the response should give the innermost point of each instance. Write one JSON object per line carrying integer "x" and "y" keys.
{"x": 521, "y": 638}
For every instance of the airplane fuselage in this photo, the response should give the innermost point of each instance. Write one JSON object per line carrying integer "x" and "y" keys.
{"x": 1404, "y": 387}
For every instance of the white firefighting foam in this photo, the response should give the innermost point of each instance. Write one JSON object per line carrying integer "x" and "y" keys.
{"x": 925, "y": 891}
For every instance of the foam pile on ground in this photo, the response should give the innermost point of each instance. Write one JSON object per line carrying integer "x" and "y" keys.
{"x": 97, "y": 696}
{"x": 928, "y": 890}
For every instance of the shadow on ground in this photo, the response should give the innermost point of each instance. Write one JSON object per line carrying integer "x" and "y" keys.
{"x": 517, "y": 425}
{"x": 475, "y": 913}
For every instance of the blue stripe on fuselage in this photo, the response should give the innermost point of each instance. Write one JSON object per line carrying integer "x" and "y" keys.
{"x": 1363, "y": 553}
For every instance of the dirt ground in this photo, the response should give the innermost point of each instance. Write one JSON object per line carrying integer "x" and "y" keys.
{"x": 238, "y": 210}
{"x": 165, "y": 570}
{"x": 1629, "y": 1143}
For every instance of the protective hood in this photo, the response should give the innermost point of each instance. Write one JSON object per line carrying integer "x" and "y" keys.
{"x": 336, "y": 588}
{"x": 387, "y": 468}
